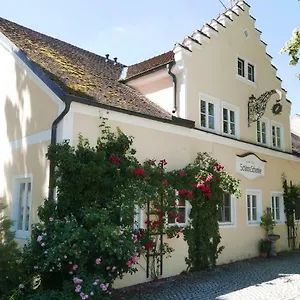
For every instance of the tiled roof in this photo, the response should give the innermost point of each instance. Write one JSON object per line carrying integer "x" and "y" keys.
{"x": 79, "y": 72}
{"x": 150, "y": 64}
{"x": 295, "y": 144}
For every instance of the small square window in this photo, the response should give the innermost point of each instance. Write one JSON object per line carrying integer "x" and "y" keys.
{"x": 251, "y": 72}
{"x": 241, "y": 67}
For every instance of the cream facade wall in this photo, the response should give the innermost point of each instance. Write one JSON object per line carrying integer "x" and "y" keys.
{"x": 157, "y": 87}
{"x": 27, "y": 109}
{"x": 211, "y": 69}
{"x": 179, "y": 146}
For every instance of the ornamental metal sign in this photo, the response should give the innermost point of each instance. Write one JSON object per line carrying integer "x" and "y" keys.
{"x": 257, "y": 106}
{"x": 250, "y": 166}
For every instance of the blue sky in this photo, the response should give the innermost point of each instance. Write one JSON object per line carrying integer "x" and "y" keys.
{"x": 135, "y": 30}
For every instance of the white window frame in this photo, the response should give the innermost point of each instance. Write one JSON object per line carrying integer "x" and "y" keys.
{"x": 236, "y": 110}
{"x": 216, "y": 103}
{"x": 280, "y": 125}
{"x": 267, "y": 121}
{"x": 245, "y": 78}
{"x": 244, "y": 62}
{"x": 281, "y": 220}
{"x": 258, "y": 194}
{"x": 138, "y": 221}
{"x": 253, "y": 70}
{"x": 17, "y": 180}
{"x": 187, "y": 214}
{"x": 232, "y": 223}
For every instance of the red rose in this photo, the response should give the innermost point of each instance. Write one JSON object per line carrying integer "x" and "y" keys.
{"x": 206, "y": 189}
{"x": 163, "y": 162}
{"x": 182, "y": 192}
{"x": 181, "y": 174}
{"x": 165, "y": 182}
{"x": 138, "y": 171}
{"x": 190, "y": 195}
{"x": 148, "y": 222}
{"x": 208, "y": 194}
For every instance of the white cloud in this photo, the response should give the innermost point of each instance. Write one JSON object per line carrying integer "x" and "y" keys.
{"x": 120, "y": 29}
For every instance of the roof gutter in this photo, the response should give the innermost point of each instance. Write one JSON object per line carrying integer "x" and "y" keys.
{"x": 55, "y": 123}
{"x": 169, "y": 66}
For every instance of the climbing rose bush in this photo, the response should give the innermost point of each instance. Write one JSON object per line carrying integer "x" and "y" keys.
{"x": 203, "y": 183}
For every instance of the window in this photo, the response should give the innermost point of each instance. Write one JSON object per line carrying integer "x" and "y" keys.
{"x": 225, "y": 209}
{"x": 181, "y": 205}
{"x": 241, "y": 67}
{"x": 277, "y": 207}
{"x": 253, "y": 206}
{"x": 22, "y": 207}
{"x": 207, "y": 113}
{"x": 261, "y": 132}
{"x": 251, "y": 72}
{"x": 246, "y": 33}
{"x": 229, "y": 121}
{"x": 276, "y": 136}
{"x": 246, "y": 71}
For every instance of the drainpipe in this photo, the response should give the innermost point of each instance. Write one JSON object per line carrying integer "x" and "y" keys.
{"x": 53, "y": 142}
{"x": 169, "y": 66}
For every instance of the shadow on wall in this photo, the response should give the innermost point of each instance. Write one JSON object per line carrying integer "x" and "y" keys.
{"x": 23, "y": 158}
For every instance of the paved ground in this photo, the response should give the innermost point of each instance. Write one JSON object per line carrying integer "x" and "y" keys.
{"x": 272, "y": 279}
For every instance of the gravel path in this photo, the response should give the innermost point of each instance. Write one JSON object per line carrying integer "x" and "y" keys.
{"x": 276, "y": 278}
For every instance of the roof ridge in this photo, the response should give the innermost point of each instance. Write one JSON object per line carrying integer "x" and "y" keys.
{"x": 56, "y": 39}
{"x": 155, "y": 56}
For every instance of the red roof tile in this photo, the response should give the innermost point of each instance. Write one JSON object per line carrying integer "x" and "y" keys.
{"x": 150, "y": 64}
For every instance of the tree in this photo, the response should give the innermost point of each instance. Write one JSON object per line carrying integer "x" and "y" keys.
{"x": 292, "y": 47}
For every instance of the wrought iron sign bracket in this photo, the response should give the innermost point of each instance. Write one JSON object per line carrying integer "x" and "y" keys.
{"x": 257, "y": 106}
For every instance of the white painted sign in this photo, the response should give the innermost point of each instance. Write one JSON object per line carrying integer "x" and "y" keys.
{"x": 250, "y": 166}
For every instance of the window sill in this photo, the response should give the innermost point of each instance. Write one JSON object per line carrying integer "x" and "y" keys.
{"x": 263, "y": 144}
{"x": 243, "y": 79}
{"x": 226, "y": 225}
{"x": 253, "y": 223}
{"x": 209, "y": 130}
{"x": 22, "y": 235}
{"x": 230, "y": 135}
{"x": 177, "y": 224}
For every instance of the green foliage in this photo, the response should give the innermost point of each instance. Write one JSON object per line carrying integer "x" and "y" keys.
{"x": 267, "y": 222}
{"x": 292, "y": 47}
{"x": 10, "y": 271}
{"x": 265, "y": 246}
{"x": 291, "y": 199}
{"x": 203, "y": 184}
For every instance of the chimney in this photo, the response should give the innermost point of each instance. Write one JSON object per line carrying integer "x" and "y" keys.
{"x": 115, "y": 59}
{"x": 107, "y": 56}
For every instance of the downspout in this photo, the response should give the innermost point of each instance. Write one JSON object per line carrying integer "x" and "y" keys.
{"x": 53, "y": 142}
{"x": 169, "y": 66}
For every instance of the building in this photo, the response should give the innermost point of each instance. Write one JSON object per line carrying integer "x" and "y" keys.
{"x": 217, "y": 92}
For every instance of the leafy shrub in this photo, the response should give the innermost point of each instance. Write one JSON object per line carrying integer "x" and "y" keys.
{"x": 10, "y": 271}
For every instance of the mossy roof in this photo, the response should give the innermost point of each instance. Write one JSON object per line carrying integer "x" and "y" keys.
{"x": 79, "y": 72}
